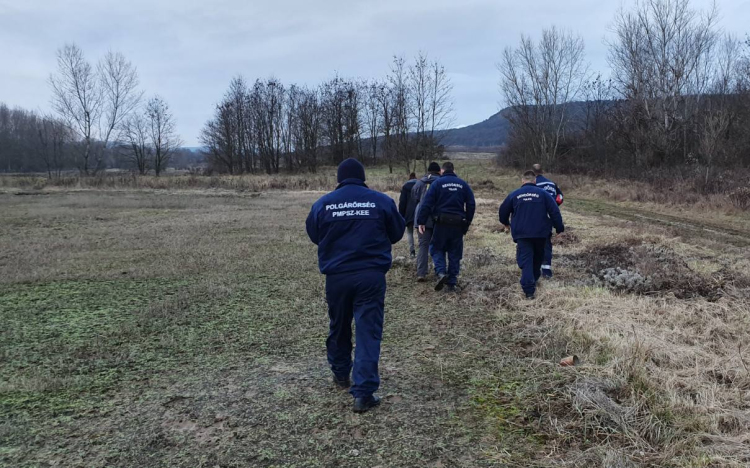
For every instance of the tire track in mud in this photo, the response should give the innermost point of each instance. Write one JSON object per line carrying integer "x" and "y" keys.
{"x": 687, "y": 228}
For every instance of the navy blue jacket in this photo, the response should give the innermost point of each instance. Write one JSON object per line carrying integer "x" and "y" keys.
{"x": 406, "y": 205}
{"x": 448, "y": 194}
{"x": 549, "y": 187}
{"x": 534, "y": 213}
{"x": 354, "y": 228}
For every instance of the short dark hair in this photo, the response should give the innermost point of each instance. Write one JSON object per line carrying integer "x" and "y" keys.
{"x": 412, "y": 176}
{"x": 529, "y": 175}
{"x": 448, "y": 166}
{"x": 537, "y": 168}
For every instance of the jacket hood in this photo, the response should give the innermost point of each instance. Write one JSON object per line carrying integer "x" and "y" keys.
{"x": 429, "y": 177}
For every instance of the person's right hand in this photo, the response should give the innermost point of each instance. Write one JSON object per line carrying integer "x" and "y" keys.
{"x": 421, "y": 228}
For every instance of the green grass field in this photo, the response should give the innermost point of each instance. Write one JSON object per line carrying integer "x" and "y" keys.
{"x": 187, "y": 328}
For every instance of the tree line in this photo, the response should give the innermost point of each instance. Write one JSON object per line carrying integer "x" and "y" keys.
{"x": 270, "y": 127}
{"x": 678, "y": 96}
{"x": 30, "y": 142}
{"x": 99, "y": 120}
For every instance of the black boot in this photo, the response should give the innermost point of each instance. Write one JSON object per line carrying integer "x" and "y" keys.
{"x": 442, "y": 279}
{"x": 362, "y": 405}
{"x": 341, "y": 382}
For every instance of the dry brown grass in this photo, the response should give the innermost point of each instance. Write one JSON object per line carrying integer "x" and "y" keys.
{"x": 324, "y": 180}
{"x": 195, "y": 319}
{"x": 667, "y": 197}
{"x": 665, "y": 377}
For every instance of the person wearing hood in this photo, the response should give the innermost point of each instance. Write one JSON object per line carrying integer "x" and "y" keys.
{"x": 450, "y": 203}
{"x": 417, "y": 193}
{"x": 354, "y": 228}
{"x": 406, "y": 207}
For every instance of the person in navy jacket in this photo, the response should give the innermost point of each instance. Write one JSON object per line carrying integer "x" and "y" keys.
{"x": 450, "y": 203}
{"x": 551, "y": 188}
{"x": 531, "y": 214}
{"x": 354, "y": 228}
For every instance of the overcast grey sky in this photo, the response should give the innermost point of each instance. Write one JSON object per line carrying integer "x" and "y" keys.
{"x": 187, "y": 51}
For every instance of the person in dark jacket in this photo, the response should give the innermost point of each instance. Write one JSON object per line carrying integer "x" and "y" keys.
{"x": 551, "y": 188}
{"x": 406, "y": 206}
{"x": 450, "y": 203}
{"x": 417, "y": 193}
{"x": 354, "y": 228}
{"x": 531, "y": 214}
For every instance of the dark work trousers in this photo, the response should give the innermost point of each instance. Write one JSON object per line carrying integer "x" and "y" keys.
{"x": 447, "y": 240}
{"x": 358, "y": 295}
{"x": 547, "y": 262}
{"x": 529, "y": 255}
{"x": 424, "y": 253}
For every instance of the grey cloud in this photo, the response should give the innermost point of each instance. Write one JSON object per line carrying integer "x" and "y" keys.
{"x": 187, "y": 51}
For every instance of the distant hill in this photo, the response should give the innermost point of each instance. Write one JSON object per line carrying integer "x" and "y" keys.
{"x": 492, "y": 132}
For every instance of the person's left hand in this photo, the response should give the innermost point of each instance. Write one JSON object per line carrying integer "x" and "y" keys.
{"x": 421, "y": 228}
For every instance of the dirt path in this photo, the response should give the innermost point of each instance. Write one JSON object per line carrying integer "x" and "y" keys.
{"x": 688, "y": 228}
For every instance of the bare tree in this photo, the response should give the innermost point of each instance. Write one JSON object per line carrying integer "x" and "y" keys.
{"x": 662, "y": 63}
{"x": 307, "y": 129}
{"x": 537, "y": 80}
{"x": 400, "y": 113}
{"x": 267, "y": 104}
{"x": 294, "y": 127}
{"x": 54, "y": 136}
{"x": 77, "y": 97}
{"x": 440, "y": 105}
{"x": 218, "y": 136}
{"x": 237, "y": 100}
{"x": 598, "y": 121}
{"x": 420, "y": 91}
{"x": 136, "y": 145}
{"x": 162, "y": 133}
{"x": 372, "y": 119}
{"x": 720, "y": 110}
{"x": 94, "y": 102}
{"x": 385, "y": 102}
{"x": 118, "y": 80}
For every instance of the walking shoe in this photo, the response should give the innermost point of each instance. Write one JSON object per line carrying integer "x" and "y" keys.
{"x": 413, "y": 254}
{"x": 421, "y": 279}
{"x": 442, "y": 279}
{"x": 341, "y": 382}
{"x": 451, "y": 289}
{"x": 530, "y": 296}
{"x": 547, "y": 273}
{"x": 362, "y": 405}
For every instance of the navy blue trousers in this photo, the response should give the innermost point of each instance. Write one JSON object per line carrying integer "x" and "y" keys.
{"x": 358, "y": 295}
{"x": 529, "y": 255}
{"x": 547, "y": 263}
{"x": 447, "y": 240}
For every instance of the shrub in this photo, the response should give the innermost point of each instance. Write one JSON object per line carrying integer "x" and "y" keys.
{"x": 740, "y": 198}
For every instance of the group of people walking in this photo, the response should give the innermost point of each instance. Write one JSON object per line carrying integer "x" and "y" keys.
{"x": 354, "y": 228}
